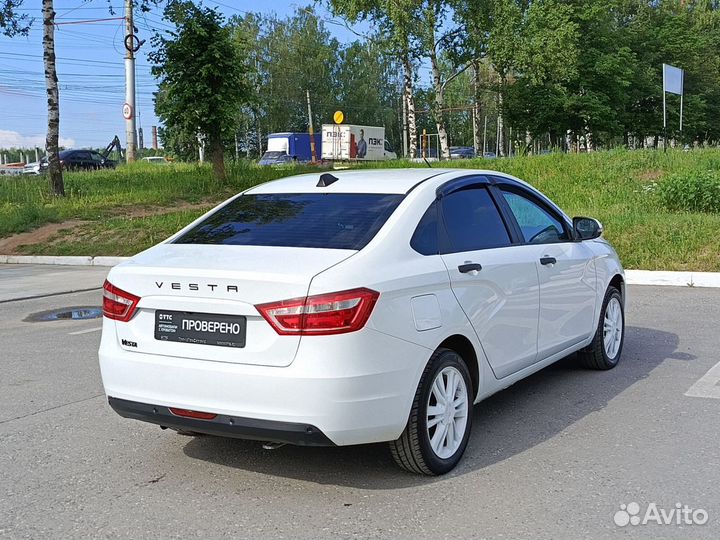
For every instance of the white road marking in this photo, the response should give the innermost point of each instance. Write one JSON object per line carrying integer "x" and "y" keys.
{"x": 708, "y": 386}
{"x": 85, "y": 331}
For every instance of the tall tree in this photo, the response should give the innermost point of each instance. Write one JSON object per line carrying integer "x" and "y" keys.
{"x": 13, "y": 23}
{"x": 203, "y": 80}
{"x": 396, "y": 19}
{"x": 535, "y": 40}
{"x": 57, "y": 184}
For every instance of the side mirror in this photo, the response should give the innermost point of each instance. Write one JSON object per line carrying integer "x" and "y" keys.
{"x": 587, "y": 228}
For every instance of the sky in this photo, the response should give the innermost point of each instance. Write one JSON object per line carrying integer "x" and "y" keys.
{"x": 91, "y": 71}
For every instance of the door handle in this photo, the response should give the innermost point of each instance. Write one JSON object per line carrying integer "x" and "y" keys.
{"x": 469, "y": 267}
{"x": 547, "y": 260}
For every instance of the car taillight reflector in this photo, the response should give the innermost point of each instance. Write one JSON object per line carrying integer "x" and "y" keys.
{"x": 118, "y": 304}
{"x": 192, "y": 414}
{"x": 322, "y": 314}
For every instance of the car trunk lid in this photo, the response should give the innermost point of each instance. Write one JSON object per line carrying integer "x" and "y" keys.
{"x": 221, "y": 281}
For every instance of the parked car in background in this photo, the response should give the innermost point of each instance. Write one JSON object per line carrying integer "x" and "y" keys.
{"x": 32, "y": 168}
{"x": 462, "y": 152}
{"x": 359, "y": 307}
{"x": 284, "y": 148}
{"x": 155, "y": 159}
{"x": 489, "y": 155}
{"x": 79, "y": 160}
{"x": 276, "y": 157}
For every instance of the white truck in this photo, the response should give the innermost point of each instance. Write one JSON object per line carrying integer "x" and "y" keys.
{"x": 345, "y": 142}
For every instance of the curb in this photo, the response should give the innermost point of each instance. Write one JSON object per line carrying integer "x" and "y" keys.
{"x": 633, "y": 277}
{"x": 677, "y": 279}
{"x": 62, "y": 260}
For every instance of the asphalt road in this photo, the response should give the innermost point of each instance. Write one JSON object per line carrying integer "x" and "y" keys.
{"x": 551, "y": 457}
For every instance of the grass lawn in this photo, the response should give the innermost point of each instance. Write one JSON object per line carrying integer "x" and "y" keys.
{"x": 134, "y": 207}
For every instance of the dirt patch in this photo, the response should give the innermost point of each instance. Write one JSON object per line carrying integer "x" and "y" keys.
{"x": 649, "y": 176}
{"x": 10, "y": 245}
{"x": 52, "y": 231}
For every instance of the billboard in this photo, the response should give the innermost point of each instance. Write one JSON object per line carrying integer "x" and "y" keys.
{"x": 350, "y": 142}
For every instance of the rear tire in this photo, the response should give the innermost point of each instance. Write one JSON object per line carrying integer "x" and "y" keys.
{"x": 436, "y": 434}
{"x": 606, "y": 347}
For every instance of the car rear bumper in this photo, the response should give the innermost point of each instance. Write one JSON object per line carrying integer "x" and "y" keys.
{"x": 223, "y": 425}
{"x": 352, "y": 389}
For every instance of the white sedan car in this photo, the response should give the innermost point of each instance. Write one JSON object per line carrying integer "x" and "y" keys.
{"x": 358, "y": 307}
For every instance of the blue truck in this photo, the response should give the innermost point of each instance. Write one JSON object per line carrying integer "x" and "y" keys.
{"x": 290, "y": 148}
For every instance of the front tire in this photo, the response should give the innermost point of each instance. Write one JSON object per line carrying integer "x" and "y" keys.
{"x": 438, "y": 428}
{"x": 606, "y": 347}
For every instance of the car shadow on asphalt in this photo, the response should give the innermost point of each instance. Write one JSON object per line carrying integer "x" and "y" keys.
{"x": 520, "y": 417}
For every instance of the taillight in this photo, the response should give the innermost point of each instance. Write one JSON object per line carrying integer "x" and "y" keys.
{"x": 118, "y": 304}
{"x": 322, "y": 314}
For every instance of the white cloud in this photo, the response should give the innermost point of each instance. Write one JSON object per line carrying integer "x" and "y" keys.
{"x": 13, "y": 139}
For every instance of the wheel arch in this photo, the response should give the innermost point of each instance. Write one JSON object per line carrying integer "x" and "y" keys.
{"x": 618, "y": 281}
{"x": 464, "y": 347}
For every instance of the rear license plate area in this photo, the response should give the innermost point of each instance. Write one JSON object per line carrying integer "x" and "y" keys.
{"x": 200, "y": 328}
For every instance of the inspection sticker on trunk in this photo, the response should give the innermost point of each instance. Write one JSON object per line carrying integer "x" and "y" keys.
{"x": 200, "y": 328}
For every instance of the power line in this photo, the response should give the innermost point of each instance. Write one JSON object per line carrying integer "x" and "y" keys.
{"x": 82, "y": 61}
{"x": 90, "y": 21}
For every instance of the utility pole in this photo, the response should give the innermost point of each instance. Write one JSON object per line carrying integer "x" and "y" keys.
{"x": 310, "y": 127}
{"x": 129, "y": 108}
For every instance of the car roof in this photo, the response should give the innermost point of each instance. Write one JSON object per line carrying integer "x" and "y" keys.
{"x": 351, "y": 181}
{"x": 388, "y": 181}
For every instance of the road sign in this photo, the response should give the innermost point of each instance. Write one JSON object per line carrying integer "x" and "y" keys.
{"x": 127, "y": 111}
{"x": 673, "y": 79}
{"x": 338, "y": 117}
{"x": 673, "y": 83}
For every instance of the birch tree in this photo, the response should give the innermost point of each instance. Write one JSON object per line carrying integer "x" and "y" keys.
{"x": 397, "y": 20}
{"x": 57, "y": 185}
{"x": 13, "y": 23}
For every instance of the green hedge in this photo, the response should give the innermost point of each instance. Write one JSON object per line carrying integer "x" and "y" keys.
{"x": 691, "y": 191}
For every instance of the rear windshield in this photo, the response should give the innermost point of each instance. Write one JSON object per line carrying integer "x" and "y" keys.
{"x": 314, "y": 220}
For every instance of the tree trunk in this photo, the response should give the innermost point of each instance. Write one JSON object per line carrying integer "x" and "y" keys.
{"x": 529, "y": 143}
{"x": 477, "y": 130}
{"x": 217, "y": 155}
{"x": 589, "y": 142}
{"x": 410, "y": 101}
{"x": 439, "y": 103}
{"x": 501, "y": 123}
{"x": 57, "y": 186}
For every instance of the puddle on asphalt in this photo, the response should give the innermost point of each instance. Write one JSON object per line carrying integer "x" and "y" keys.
{"x": 78, "y": 313}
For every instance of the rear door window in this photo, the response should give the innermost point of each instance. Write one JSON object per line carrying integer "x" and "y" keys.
{"x": 425, "y": 237}
{"x": 319, "y": 220}
{"x": 472, "y": 221}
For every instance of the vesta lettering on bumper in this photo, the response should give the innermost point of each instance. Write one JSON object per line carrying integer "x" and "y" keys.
{"x": 176, "y": 286}
{"x": 211, "y": 326}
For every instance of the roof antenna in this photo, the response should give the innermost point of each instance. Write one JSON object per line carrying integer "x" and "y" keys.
{"x": 326, "y": 179}
{"x": 427, "y": 162}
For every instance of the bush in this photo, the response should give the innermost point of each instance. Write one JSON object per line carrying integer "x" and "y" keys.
{"x": 691, "y": 191}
